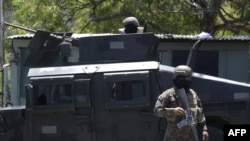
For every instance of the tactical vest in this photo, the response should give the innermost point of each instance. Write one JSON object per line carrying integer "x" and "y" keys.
{"x": 174, "y": 102}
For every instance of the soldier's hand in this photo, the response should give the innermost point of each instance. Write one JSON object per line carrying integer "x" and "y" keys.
{"x": 179, "y": 111}
{"x": 205, "y": 136}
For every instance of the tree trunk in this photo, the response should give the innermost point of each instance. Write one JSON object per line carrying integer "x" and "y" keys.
{"x": 207, "y": 13}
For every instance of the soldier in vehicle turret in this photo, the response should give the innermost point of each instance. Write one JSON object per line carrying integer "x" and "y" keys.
{"x": 131, "y": 25}
{"x": 169, "y": 105}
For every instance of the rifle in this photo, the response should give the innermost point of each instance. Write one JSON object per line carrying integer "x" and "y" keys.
{"x": 189, "y": 120}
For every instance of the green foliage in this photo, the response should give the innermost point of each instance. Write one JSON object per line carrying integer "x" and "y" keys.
{"x": 102, "y": 16}
{"x": 93, "y": 16}
{"x": 234, "y": 18}
{"x": 39, "y": 15}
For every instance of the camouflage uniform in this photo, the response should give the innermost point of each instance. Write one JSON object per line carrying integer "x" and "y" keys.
{"x": 164, "y": 108}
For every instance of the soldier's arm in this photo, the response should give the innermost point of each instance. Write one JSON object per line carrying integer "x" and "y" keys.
{"x": 161, "y": 109}
{"x": 201, "y": 119}
{"x": 202, "y": 122}
{"x": 166, "y": 106}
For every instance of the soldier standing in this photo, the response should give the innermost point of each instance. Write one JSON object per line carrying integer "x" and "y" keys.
{"x": 168, "y": 105}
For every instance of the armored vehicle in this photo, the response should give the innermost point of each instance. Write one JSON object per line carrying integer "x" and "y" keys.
{"x": 108, "y": 92}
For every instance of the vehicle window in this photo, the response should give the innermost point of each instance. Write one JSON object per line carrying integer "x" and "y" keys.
{"x": 127, "y": 89}
{"x": 53, "y": 94}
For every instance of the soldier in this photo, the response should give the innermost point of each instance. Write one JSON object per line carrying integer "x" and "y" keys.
{"x": 131, "y": 25}
{"x": 168, "y": 105}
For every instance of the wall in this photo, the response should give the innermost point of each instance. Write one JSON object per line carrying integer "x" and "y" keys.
{"x": 15, "y": 70}
{"x": 233, "y": 56}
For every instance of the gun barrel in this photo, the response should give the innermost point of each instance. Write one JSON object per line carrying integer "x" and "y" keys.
{"x": 183, "y": 99}
{"x": 31, "y": 30}
{"x": 20, "y": 27}
{"x": 194, "y": 132}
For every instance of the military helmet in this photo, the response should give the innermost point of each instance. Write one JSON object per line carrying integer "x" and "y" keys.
{"x": 182, "y": 70}
{"x": 132, "y": 20}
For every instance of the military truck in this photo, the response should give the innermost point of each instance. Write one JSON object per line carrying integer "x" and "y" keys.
{"x": 108, "y": 91}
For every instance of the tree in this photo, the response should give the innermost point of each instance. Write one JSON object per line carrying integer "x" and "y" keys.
{"x": 103, "y": 15}
{"x": 218, "y": 17}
